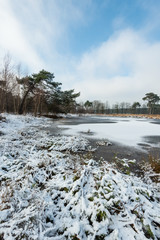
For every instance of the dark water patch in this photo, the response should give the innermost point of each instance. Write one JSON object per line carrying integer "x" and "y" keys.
{"x": 124, "y": 120}
{"x": 85, "y": 120}
{"x": 143, "y": 145}
{"x": 152, "y": 139}
{"x": 115, "y": 152}
{"x": 155, "y": 121}
{"x": 53, "y": 116}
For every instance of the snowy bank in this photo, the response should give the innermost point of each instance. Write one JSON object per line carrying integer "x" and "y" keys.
{"x": 50, "y": 189}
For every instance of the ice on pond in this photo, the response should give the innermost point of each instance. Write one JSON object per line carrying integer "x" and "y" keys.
{"x": 125, "y": 131}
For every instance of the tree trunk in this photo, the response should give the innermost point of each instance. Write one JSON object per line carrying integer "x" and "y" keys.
{"x": 20, "y": 110}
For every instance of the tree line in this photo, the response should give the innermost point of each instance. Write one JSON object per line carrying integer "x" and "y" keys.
{"x": 150, "y": 106}
{"x": 37, "y": 93}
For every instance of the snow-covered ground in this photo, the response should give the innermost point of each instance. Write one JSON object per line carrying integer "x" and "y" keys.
{"x": 50, "y": 190}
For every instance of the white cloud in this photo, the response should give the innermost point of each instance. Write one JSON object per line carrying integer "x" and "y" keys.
{"x": 12, "y": 38}
{"x": 123, "y": 68}
{"x": 34, "y": 31}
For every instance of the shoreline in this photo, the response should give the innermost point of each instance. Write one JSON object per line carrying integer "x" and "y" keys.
{"x": 130, "y": 115}
{"x": 148, "y": 116}
{"x": 116, "y": 153}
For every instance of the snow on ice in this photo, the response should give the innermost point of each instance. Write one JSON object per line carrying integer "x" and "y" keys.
{"x": 128, "y": 131}
{"x": 50, "y": 190}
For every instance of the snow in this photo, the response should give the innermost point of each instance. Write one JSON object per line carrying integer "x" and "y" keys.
{"x": 128, "y": 131}
{"x": 51, "y": 188}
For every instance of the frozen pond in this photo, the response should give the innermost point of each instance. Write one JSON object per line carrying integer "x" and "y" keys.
{"x": 127, "y": 131}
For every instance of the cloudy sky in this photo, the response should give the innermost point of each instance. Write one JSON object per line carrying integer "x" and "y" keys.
{"x": 109, "y": 50}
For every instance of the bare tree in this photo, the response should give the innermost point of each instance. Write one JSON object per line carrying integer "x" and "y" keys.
{"x": 98, "y": 106}
{"x": 116, "y": 108}
{"x": 122, "y": 106}
{"x": 6, "y": 83}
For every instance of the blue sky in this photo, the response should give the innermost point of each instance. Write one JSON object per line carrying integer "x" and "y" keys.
{"x": 109, "y": 50}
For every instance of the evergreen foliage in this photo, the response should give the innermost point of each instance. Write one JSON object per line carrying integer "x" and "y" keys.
{"x": 152, "y": 99}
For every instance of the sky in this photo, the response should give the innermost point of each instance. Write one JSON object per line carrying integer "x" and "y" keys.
{"x": 108, "y": 50}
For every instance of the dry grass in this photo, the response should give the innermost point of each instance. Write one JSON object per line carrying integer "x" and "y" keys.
{"x": 7, "y": 194}
{"x": 151, "y": 116}
{"x": 155, "y": 163}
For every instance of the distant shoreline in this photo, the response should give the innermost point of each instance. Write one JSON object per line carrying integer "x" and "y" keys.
{"x": 151, "y": 116}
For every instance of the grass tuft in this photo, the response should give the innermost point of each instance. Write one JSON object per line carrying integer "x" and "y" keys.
{"x": 155, "y": 163}
{"x": 101, "y": 215}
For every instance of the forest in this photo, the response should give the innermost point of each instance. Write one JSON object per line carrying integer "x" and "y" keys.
{"x": 37, "y": 93}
